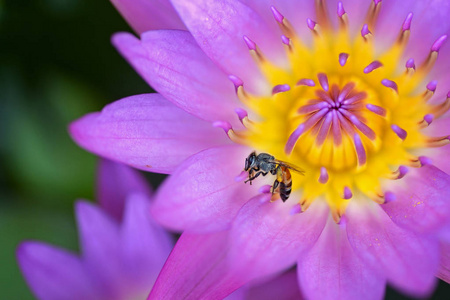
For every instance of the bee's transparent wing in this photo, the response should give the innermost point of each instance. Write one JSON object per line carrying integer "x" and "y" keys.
{"x": 290, "y": 166}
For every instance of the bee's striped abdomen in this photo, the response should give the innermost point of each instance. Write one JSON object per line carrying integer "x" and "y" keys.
{"x": 285, "y": 184}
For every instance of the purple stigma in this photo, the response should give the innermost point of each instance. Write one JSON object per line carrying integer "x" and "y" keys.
{"x": 425, "y": 161}
{"x": 360, "y": 151}
{"x": 241, "y": 176}
{"x": 428, "y": 118}
{"x": 431, "y": 86}
{"x": 285, "y": 40}
{"x": 402, "y": 171}
{"x": 407, "y": 22}
{"x": 340, "y": 9}
{"x": 265, "y": 189}
{"x": 242, "y": 113}
{"x": 236, "y": 81}
{"x": 296, "y": 209}
{"x": 365, "y": 30}
{"x": 306, "y": 81}
{"x": 323, "y": 80}
{"x": 280, "y": 88}
{"x": 390, "y": 84}
{"x": 410, "y": 64}
{"x": 347, "y": 193}
{"x": 311, "y": 24}
{"x": 372, "y": 66}
{"x": 277, "y": 15}
{"x": 376, "y": 109}
{"x": 226, "y": 126}
{"x": 293, "y": 138}
{"x": 323, "y": 178}
{"x": 343, "y": 59}
{"x": 400, "y": 132}
{"x": 263, "y": 198}
{"x": 438, "y": 43}
{"x": 250, "y": 44}
{"x": 389, "y": 197}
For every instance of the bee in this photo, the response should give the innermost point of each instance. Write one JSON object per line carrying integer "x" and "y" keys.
{"x": 263, "y": 164}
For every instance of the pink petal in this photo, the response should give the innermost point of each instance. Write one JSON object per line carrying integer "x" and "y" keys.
{"x": 332, "y": 270}
{"x": 114, "y": 183}
{"x": 282, "y": 287}
{"x": 172, "y": 63}
{"x": 422, "y": 200}
{"x": 145, "y": 245}
{"x": 144, "y": 15}
{"x": 54, "y": 273}
{"x": 409, "y": 261}
{"x": 266, "y": 238}
{"x": 444, "y": 268}
{"x": 219, "y": 27}
{"x": 197, "y": 268}
{"x": 145, "y": 131}
{"x": 202, "y": 194}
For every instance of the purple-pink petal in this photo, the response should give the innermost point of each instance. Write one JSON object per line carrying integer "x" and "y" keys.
{"x": 202, "y": 194}
{"x": 219, "y": 27}
{"x": 144, "y": 15}
{"x": 55, "y": 274}
{"x": 422, "y": 200}
{"x": 332, "y": 270}
{"x": 409, "y": 261}
{"x": 197, "y": 268}
{"x": 444, "y": 265}
{"x": 146, "y": 132}
{"x": 282, "y": 287}
{"x": 114, "y": 182}
{"x": 174, "y": 65}
{"x": 266, "y": 238}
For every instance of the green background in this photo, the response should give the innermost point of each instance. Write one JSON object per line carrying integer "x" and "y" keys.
{"x": 56, "y": 64}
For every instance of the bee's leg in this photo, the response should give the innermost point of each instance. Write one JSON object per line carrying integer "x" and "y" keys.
{"x": 256, "y": 175}
{"x": 275, "y": 185}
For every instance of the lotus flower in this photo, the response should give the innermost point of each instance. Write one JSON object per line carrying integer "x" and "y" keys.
{"x": 123, "y": 249}
{"x": 352, "y": 92}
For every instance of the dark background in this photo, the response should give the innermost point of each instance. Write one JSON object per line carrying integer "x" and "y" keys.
{"x": 56, "y": 64}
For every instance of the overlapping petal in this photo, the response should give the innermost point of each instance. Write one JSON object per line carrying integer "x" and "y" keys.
{"x": 332, "y": 270}
{"x": 444, "y": 268}
{"x": 219, "y": 27}
{"x": 409, "y": 261}
{"x": 422, "y": 200}
{"x": 202, "y": 195}
{"x": 145, "y": 131}
{"x": 144, "y": 15}
{"x": 175, "y": 66}
{"x": 116, "y": 181}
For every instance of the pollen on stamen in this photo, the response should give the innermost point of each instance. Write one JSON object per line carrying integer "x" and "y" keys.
{"x": 376, "y": 109}
{"x": 390, "y": 84}
{"x": 323, "y": 178}
{"x": 340, "y": 9}
{"x": 265, "y": 189}
{"x": 400, "y": 132}
{"x": 311, "y": 24}
{"x": 440, "y": 109}
{"x": 425, "y": 161}
{"x": 360, "y": 151}
{"x": 347, "y": 193}
{"x": 343, "y": 57}
{"x": 407, "y": 23}
{"x": 438, "y": 142}
{"x": 307, "y": 82}
{"x": 399, "y": 173}
{"x": 241, "y": 176}
{"x": 372, "y": 66}
{"x": 323, "y": 80}
{"x": 283, "y": 23}
{"x": 365, "y": 32}
{"x": 296, "y": 209}
{"x": 243, "y": 117}
{"x": 226, "y": 126}
{"x": 410, "y": 64}
{"x": 280, "y": 88}
{"x": 438, "y": 43}
{"x": 389, "y": 197}
{"x": 253, "y": 48}
{"x": 431, "y": 86}
{"x": 427, "y": 120}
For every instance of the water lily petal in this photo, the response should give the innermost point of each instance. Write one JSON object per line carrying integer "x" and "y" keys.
{"x": 145, "y": 131}
{"x": 219, "y": 27}
{"x": 197, "y": 268}
{"x": 41, "y": 267}
{"x": 114, "y": 182}
{"x": 422, "y": 200}
{"x": 266, "y": 238}
{"x": 202, "y": 194}
{"x": 172, "y": 63}
{"x": 145, "y": 245}
{"x": 332, "y": 270}
{"x": 282, "y": 287}
{"x": 444, "y": 268}
{"x": 409, "y": 261}
{"x": 144, "y": 15}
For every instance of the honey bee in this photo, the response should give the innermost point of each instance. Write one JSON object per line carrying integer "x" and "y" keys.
{"x": 263, "y": 164}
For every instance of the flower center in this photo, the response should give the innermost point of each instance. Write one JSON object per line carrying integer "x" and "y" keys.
{"x": 347, "y": 116}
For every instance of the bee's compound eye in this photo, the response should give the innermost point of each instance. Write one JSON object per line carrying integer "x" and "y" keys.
{"x": 246, "y": 164}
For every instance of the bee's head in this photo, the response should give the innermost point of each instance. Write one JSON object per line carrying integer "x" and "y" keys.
{"x": 250, "y": 161}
